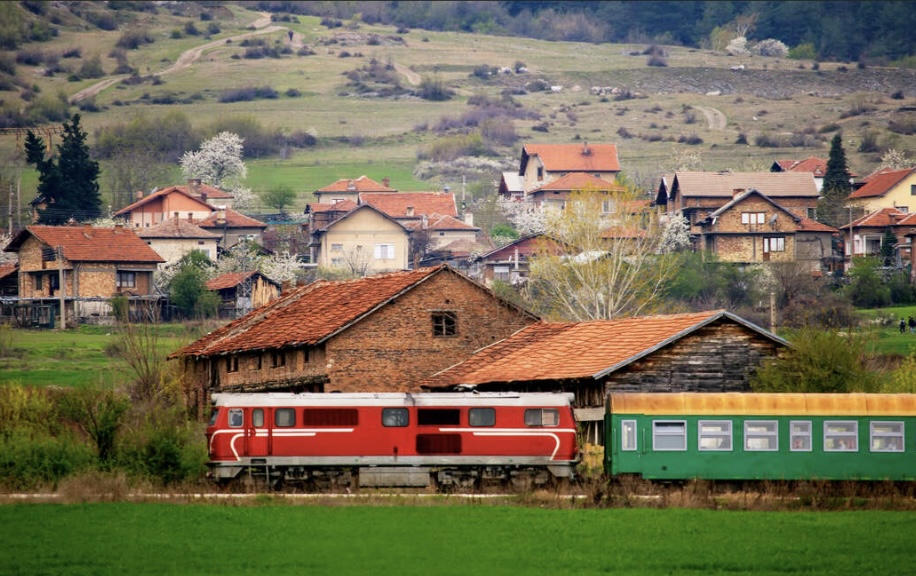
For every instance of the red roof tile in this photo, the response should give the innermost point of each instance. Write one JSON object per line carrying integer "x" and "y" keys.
{"x": 308, "y": 315}
{"x": 342, "y": 206}
{"x": 87, "y": 244}
{"x": 176, "y": 228}
{"x": 878, "y": 219}
{"x": 8, "y": 270}
{"x": 162, "y": 193}
{"x": 881, "y": 183}
{"x": 396, "y": 205}
{"x": 817, "y": 166}
{"x": 809, "y": 225}
{"x": 566, "y": 350}
{"x": 573, "y": 157}
{"x": 361, "y": 184}
{"x": 233, "y": 220}
{"x": 443, "y": 222}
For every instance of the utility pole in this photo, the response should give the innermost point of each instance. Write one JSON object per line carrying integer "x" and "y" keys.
{"x": 63, "y": 288}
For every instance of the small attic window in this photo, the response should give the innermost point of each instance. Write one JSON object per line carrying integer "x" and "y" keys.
{"x": 445, "y": 324}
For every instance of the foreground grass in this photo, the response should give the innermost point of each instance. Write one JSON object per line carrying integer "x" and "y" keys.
{"x": 461, "y": 539}
{"x": 885, "y": 323}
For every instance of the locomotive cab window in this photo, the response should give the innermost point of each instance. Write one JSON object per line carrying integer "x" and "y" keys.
{"x": 669, "y": 435}
{"x": 482, "y": 417}
{"x": 236, "y": 419}
{"x": 213, "y": 417}
{"x": 438, "y": 417}
{"x": 761, "y": 435}
{"x": 841, "y": 436}
{"x": 628, "y": 435}
{"x": 542, "y": 417}
{"x": 800, "y": 436}
{"x": 395, "y": 417}
{"x": 285, "y": 418}
{"x": 715, "y": 435}
{"x": 886, "y": 436}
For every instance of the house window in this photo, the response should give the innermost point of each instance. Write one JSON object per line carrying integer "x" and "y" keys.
{"x": 336, "y": 247}
{"x": 812, "y": 213}
{"x": 540, "y": 173}
{"x": 800, "y": 436}
{"x": 608, "y": 206}
{"x": 232, "y": 364}
{"x": 445, "y": 324}
{"x": 278, "y": 358}
{"x": 628, "y": 435}
{"x": 669, "y": 435}
{"x": 912, "y": 189}
{"x": 761, "y": 435}
{"x": 38, "y": 282}
{"x": 775, "y": 244}
{"x": 384, "y": 251}
{"x": 501, "y": 273}
{"x": 336, "y": 261}
{"x": 715, "y": 435}
{"x": 126, "y": 280}
{"x": 753, "y": 217}
{"x": 841, "y": 436}
{"x": 886, "y": 436}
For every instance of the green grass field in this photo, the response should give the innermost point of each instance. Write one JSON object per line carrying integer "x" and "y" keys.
{"x": 462, "y": 539}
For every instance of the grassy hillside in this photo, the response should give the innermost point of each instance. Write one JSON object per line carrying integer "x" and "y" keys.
{"x": 658, "y": 111}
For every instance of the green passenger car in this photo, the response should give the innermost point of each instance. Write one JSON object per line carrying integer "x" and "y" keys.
{"x": 736, "y": 436}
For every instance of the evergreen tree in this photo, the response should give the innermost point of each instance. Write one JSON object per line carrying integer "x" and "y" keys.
{"x": 836, "y": 188}
{"x": 69, "y": 186}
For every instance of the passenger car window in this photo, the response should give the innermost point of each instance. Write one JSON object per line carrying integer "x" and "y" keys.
{"x": 669, "y": 435}
{"x": 841, "y": 436}
{"x": 886, "y": 436}
{"x": 628, "y": 435}
{"x": 761, "y": 435}
{"x": 800, "y": 436}
{"x": 715, "y": 435}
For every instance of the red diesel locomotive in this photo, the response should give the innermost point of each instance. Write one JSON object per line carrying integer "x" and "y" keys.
{"x": 392, "y": 439}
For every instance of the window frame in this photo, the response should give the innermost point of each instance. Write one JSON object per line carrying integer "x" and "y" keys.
{"x": 628, "y": 430}
{"x": 835, "y": 436}
{"x": 774, "y": 244}
{"x": 475, "y": 415}
{"x": 125, "y": 279}
{"x": 727, "y": 431}
{"x": 803, "y": 436}
{"x": 535, "y": 417}
{"x": 240, "y": 413}
{"x": 384, "y": 251}
{"x": 772, "y": 437}
{"x": 656, "y": 434}
{"x": 753, "y": 217}
{"x": 395, "y": 417}
{"x": 445, "y": 323}
{"x": 900, "y": 436}
{"x": 284, "y": 411}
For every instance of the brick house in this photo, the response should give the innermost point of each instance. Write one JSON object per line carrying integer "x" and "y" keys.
{"x": 242, "y": 292}
{"x": 541, "y": 164}
{"x": 865, "y": 236}
{"x": 83, "y": 266}
{"x": 712, "y": 351}
{"x": 382, "y": 333}
{"x": 696, "y": 195}
{"x": 753, "y": 228}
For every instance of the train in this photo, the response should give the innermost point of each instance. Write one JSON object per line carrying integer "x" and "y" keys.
{"x": 467, "y": 439}
{"x": 345, "y": 440}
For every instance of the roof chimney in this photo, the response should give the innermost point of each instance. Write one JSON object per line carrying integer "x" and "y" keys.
{"x": 385, "y": 181}
{"x": 585, "y": 150}
{"x": 139, "y": 194}
{"x": 176, "y": 215}
{"x": 194, "y": 185}
{"x": 737, "y": 191}
{"x": 351, "y": 186}
{"x": 221, "y": 216}
{"x": 190, "y": 216}
{"x": 410, "y": 211}
{"x": 203, "y": 196}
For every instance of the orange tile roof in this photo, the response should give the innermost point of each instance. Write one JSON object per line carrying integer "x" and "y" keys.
{"x": 579, "y": 181}
{"x": 395, "y": 205}
{"x": 233, "y": 220}
{"x": 342, "y": 206}
{"x": 817, "y": 166}
{"x": 310, "y": 314}
{"x": 878, "y": 219}
{"x": 445, "y": 222}
{"x": 87, "y": 244}
{"x": 881, "y": 183}
{"x": 809, "y": 225}
{"x": 361, "y": 184}
{"x": 8, "y": 269}
{"x": 568, "y": 350}
{"x": 160, "y": 194}
{"x": 573, "y": 157}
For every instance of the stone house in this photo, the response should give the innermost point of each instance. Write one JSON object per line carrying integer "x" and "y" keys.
{"x": 242, "y": 292}
{"x": 83, "y": 267}
{"x": 541, "y": 164}
{"x": 696, "y": 195}
{"x": 381, "y": 333}
{"x": 713, "y": 351}
{"x": 753, "y": 228}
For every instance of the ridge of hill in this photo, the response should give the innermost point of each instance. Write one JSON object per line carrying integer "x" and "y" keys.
{"x": 368, "y": 96}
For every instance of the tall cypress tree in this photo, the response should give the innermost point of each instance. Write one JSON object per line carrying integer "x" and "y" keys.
{"x": 69, "y": 186}
{"x": 832, "y": 205}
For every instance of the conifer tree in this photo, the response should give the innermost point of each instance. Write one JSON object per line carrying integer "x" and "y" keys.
{"x": 832, "y": 205}
{"x": 69, "y": 184}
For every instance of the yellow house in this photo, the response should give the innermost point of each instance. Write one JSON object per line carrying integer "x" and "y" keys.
{"x": 887, "y": 189}
{"x": 364, "y": 241}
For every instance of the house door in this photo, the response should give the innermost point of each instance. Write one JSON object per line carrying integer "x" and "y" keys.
{"x": 257, "y": 433}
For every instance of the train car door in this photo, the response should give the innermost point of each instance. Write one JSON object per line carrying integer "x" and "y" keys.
{"x": 258, "y": 433}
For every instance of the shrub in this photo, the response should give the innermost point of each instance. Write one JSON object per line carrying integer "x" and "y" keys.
{"x": 31, "y": 57}
{"x": 657, "y": 61}
{"x": 92, "y": 68}
{"x": 434, "y": 89}
{"x": 133, "y": 39}
{"x": 191, "y": 29}
{"x": 742, "y": 138}
{"x": 898, "y": 95}
{"x": 692, "y": 140}
{"x": 869, "y": 142}
{"x": 805, "y": 51}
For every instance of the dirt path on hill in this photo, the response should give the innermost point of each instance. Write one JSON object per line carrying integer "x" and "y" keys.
{"x": 411, "y": 76}
{"x": 715, "y": 119}
{"x": 189, "y": 57}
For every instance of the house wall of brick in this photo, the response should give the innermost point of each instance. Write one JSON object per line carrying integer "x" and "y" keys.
{"x": 718, "y": 358}
{"x": 394, "y": 348}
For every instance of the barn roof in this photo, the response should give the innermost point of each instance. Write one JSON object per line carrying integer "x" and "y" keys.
{"x": 575, "y": 350}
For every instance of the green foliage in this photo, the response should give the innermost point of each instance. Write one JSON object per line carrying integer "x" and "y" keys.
{"x": 452, "y": 147}
{"x": 187, "y": 289}
{"x": 69, "y": 184}
{"x": 30, "y": 461}
{"x": 164, "y": 446}
{"x": 819, "y": 361}
{"x": 504, "y": 231}
{"x": 92, "y": 68}
{"x": 434, "y": 89}
{"x": 703, "y": 282}
{"x": 279, "y": 197}
{"x": 98, "y": 413}
{"x": 804, "y": 51}
{"x": 903, "y": 379}
{"x": 866, "y": 288}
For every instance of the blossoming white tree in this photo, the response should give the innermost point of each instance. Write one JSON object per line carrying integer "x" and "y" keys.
{"x": 219, "y": 163}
